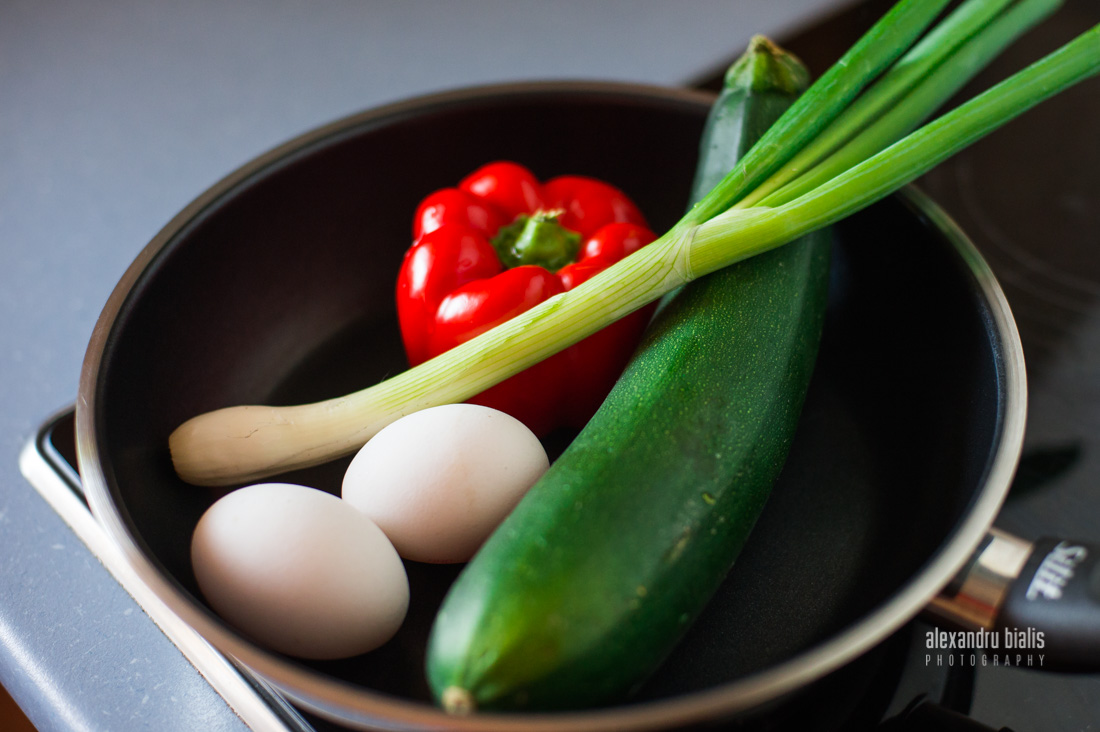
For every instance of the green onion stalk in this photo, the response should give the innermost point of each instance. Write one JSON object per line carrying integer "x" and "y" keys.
{"x": 827, "y": 158}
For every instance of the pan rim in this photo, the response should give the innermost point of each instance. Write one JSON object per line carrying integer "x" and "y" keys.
{"x": 349, "y": 704}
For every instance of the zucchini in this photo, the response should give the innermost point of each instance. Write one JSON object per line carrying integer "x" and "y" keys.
{"x": 586, "y": 587}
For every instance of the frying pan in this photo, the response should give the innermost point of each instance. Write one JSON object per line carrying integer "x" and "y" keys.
{"x": 276, "y": 286}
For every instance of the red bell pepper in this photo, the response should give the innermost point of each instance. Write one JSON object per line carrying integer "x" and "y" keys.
{"x": 499, "y": 244}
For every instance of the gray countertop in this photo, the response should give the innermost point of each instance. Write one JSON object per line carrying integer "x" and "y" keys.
{"x": 113, "y": 115}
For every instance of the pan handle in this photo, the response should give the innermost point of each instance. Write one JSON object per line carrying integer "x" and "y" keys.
{"x": 1041, "y": 599}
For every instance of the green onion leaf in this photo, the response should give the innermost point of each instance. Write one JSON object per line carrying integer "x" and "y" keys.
{"x": 741, "y": 233}
{"x": 822, "y": 102}
{"x": 918, "y": 104}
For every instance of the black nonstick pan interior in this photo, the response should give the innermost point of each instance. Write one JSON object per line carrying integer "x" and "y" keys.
{"x": 278, "y": 288}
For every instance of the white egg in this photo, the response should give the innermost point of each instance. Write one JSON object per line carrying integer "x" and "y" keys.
{"x": 300, "y": 571}
{"x": 438, "y": 481}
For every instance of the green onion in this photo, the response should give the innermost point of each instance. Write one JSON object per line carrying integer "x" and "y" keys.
{"x": 244, "y": 443}
{"x": 741, "y": 233}
{"x": 821, "y": 103}
{"x": 932, "y": 91}
{"x": 956, "y": 29}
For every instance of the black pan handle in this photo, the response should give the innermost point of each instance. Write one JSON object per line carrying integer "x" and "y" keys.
{"x": 1030, "y": 604}
{"x": 924, "y": 716}
{"x": 1058, "y": 594}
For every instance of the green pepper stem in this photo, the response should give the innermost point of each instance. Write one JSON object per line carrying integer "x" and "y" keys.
{"x": 537, "y": 239}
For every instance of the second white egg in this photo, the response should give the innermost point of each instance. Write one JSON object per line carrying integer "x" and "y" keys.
{"x": 438, "y": 481}
{"x": 300, "y": 571}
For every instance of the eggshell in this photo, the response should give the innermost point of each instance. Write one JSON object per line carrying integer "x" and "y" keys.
{"x": 438, "y": 481}
{"x": 300, "y": 571}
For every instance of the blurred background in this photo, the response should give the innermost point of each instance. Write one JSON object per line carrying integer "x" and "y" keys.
{"x": 114, "y": 115}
